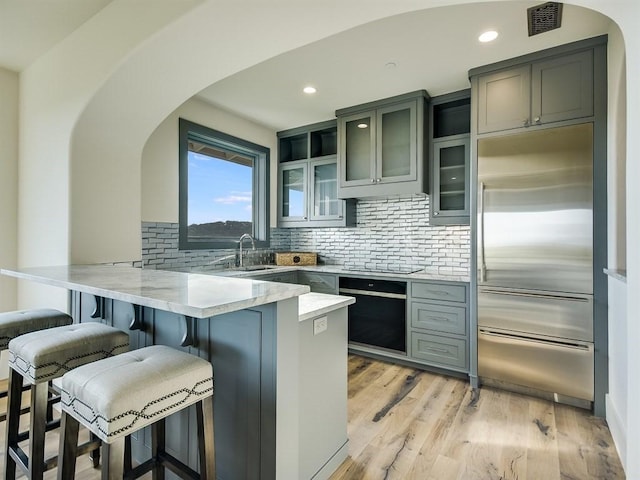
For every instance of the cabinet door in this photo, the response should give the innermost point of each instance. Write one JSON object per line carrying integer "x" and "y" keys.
{"x": 504, "y": 99}
{"x": 293, "y": 193}
{"x": 450, "y": 193}
{"x": 323, "y": 194}
{"x": 562, "y": 88}
{"x": 396, "y": 148}
{"x": 357, "y": 148}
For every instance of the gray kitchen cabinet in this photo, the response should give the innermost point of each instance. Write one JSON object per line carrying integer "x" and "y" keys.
{"x": 319, "y": 282}
{"x": 450, "y": 120}
{"x": 438, "y": 326}
{"x": 550, "y": 90}
{"x": 308, "y": 179}
{"x": 279, "y": 277}
{"x": 382, "y": 147}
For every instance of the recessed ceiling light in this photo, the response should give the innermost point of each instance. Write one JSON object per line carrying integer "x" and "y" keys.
{"x": 488, "y": 36}
{"x": 309, "y": 90}
{"x": 362, "y": 125}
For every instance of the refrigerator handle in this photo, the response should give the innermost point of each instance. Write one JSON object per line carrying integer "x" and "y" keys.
{"x": 483, "y": 266}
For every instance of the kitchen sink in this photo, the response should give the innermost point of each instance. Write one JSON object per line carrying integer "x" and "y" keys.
{"x": 252, "y": 268}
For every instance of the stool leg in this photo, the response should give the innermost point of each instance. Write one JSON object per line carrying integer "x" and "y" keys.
{"x": 94, "y": 455}
{"x": 37, "y": 429}
{"x": 206, "y": 445}
{"x": 14, "y": 403}
{"x": 157, "y": 447}
{"x": 113, "y": 460}
{"x": 68, "y": 448}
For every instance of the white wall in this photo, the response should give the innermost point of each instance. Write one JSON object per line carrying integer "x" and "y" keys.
{"x": 616, "y": 402}
{"x": 8, "y": 185}
{"x": 160, "y": 156}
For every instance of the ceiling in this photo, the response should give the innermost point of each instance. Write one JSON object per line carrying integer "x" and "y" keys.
{"x": 431, "y": 49}
{"x": 29, "y": 28}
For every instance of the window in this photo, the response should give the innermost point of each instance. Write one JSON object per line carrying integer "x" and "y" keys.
{"x": 224, "y": 189}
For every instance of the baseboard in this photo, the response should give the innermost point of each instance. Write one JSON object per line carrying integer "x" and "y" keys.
{"x": 618, "y": 430}
{"x": 333, "y": 463}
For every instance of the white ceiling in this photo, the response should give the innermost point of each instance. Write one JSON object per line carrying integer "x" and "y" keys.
{"x": 432, "y": 49}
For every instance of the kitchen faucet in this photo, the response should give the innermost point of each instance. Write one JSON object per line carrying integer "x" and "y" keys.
{"x": 242, "y": 238}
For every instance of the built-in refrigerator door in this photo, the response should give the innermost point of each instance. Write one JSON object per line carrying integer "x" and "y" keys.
{"x": 535, "y": 312}
{"x": 535, "y": 210}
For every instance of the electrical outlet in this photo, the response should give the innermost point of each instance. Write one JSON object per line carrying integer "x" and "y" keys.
{"x": 319, "y": 325}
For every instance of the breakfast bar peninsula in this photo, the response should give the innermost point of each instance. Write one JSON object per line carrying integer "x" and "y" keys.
{"x": 253, "y": 332}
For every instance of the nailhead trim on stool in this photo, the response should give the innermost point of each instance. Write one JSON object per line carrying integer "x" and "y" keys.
{"x": 48, "y": 354}
{"x": 36, "y": 358}
{"x": 118, "y": 396}
{"x": 19, "y": 322}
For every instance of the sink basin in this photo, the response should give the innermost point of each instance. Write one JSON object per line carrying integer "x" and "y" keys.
{"x": 252, "y": 268}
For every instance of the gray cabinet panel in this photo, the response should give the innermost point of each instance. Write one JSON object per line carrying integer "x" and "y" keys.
{"x": 503, "y": 99}
{"x": 382, "y": 148}
{"x": 439, "y": 291}
{"x": 449, "y": 200}
{"x": 551, "y": 90}
{"x": 439, "y": 350}
{"x": 562, "y": 88}
{"x": 441, "y": 318}
{"x": 319, "y": 282}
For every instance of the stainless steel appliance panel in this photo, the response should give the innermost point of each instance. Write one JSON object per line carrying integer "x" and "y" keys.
{"x": 543, "y": 313}
{"x": 535, "y": 204}
{"x": 564, "y": 368}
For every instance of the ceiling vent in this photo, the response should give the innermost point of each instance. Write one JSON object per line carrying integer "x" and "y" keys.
{"x": 545, "y": 17}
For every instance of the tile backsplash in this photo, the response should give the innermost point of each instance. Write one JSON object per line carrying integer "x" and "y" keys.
{"x": 391, "y": 233}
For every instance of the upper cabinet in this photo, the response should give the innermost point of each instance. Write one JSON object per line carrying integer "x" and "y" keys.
{"x": 551, "y": 90}
{"x": 382, "y": 147}
{"x": 450, "y": 119}
{"x": 308, "y": 179}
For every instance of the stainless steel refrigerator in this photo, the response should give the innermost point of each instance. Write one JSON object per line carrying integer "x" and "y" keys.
{"x": 535, "y": 261}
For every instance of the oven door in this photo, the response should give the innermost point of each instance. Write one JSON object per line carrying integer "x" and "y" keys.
{"x": 378, "y": 318}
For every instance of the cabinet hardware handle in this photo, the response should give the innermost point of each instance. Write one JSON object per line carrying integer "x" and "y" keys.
{"x": 526, "y": 122}
{"x": 378, "y": 180}
{"x": 537, "y": 119}
{"x": 373, "y": 180}
{"x": 435, "y": 213}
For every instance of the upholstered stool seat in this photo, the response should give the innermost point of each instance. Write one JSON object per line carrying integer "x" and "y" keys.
{"x": 16, "y": 323}
{"x": 118, "y": 396}
{"x": 38, "y": 357}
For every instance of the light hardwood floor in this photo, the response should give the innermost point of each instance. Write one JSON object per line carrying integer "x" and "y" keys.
{"x": 413, "y": 425}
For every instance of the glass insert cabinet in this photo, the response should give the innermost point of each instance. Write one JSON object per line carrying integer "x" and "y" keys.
{"x": 381, "y": 147}
{"x": 308, "y": 179}
{"x": 450, "y": 159}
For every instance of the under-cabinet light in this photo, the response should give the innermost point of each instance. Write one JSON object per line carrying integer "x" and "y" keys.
{"x": 362, "y": 125}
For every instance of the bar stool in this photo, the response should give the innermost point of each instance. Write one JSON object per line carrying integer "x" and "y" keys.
{"x": 118, "y": 396}
{"x": 36, "y": 358}
{"x": 19, "y": 322}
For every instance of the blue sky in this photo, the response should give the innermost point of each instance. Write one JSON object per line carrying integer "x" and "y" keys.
{"x": 219, "y": 190}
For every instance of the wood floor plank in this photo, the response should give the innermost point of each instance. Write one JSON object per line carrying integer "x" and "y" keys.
{"x": 405, "y": 424}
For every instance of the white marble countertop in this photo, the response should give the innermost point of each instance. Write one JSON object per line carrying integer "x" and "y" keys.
{"x": 312, "y": 305}
{"x": 191, "y": 294}
{"x": 341, "y": 270}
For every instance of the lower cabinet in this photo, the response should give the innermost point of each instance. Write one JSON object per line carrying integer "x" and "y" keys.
{"x": 438, "y": 325}
{"x": 319, "y": 282}
{"x": 280, "y": 277}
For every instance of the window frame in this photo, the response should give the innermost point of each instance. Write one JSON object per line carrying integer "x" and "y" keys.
{"x": 261, "y": 184}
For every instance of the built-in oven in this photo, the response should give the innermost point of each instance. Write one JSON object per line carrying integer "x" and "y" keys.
{"x": 378, "y": 318}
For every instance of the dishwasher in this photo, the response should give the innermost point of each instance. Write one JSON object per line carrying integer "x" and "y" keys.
{"x": 378, "y": 318}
